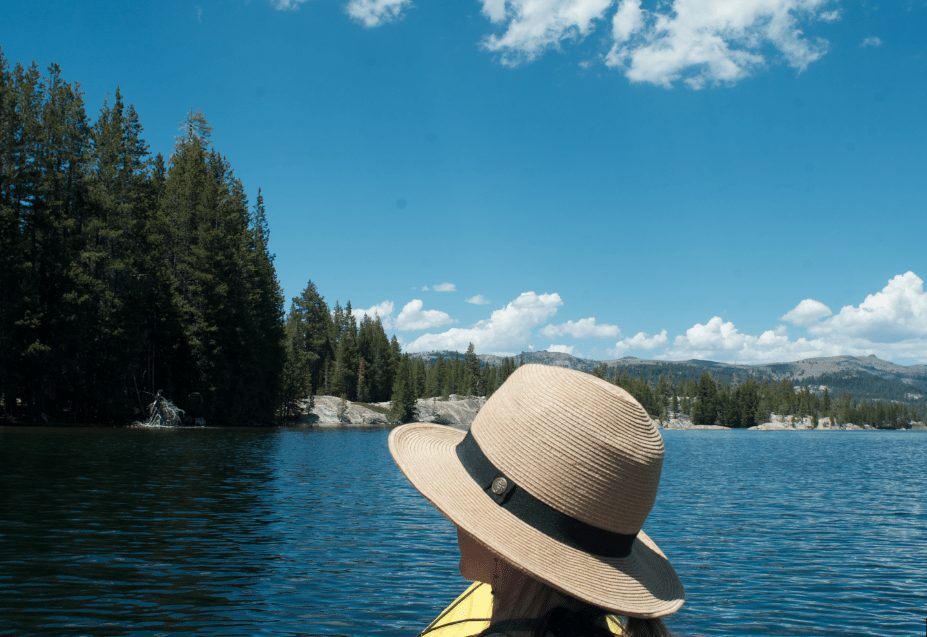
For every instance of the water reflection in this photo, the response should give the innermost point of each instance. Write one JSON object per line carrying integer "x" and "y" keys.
{"x": 110, "y": 532}
{"x": 244, "y": 532}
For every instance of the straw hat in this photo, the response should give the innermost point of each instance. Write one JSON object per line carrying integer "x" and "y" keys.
{"x": 556, "y": 476}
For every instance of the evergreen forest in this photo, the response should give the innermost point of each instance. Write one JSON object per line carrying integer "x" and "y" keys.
{"x": 124, "y": 273}
{"x": 707, "y": 401}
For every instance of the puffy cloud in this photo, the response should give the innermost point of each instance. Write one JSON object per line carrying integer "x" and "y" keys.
{"x": 699, "y": 42}
{"x": 583, "y": 328}
{"x": 494, "y": 10}
{"x": 706, "y": 42}
{"x": 507, "y": 330}
{"x": 872, "y": 40}
{"x": 383, "y": 309}
{"x": 532, "y": 26}
{"x": 890, "y": 323}
{"x": 441, "y": 287}
{"x": 478, "y": 299}
{"x": 896, "y": 313}
{"x": 807, "y": 312}
{"x": 560, "y": 349}
{"x": 373, "y": 13}
{"x": 628, "y": 20}
{"x": 413, "y": 317}
{"x": 641, "y": 341}
{"x": 286, "y": 5}
{"x": 720, "y": 340}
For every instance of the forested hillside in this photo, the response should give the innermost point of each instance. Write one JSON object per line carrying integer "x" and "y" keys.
{"x": 846, "y": 389}
{"x": 122, "y": 272}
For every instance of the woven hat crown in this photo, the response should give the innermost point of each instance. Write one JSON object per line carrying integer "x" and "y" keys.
{"x": 576, "y": 442}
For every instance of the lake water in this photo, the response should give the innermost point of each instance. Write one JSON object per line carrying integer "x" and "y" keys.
{"x": 285, "y": 532}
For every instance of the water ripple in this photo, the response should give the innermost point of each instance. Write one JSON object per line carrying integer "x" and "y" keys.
{"x": 285, "y": 532}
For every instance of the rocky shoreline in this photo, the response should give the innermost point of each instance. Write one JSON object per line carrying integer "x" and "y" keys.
{"x": 331, "y": 411}
{"x": 459, "y": 411}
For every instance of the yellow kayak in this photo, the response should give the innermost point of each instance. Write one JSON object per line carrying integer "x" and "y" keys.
{"x": 469, "y": 615}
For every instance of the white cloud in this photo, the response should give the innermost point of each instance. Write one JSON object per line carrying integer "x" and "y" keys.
{"x": 532, "y": 26}
{"x": 383, "y": 309}
{"x": 890, "y": 323}
{"x": 560, "y": 349}
{"x": 896, "y": 313}
{"x": 628, "y": 20}
{"x": 494, "y": 10}
{"x": 720, "y": 340}
{"x": 413, "y": 317}
{"x": 583, "y": 328}
{"x": 641, "y": 341}
{"x": 807, "y": 312}
{"x": 441, "y": 287}
{"x": 286, "y": 5}
{"x": 478, "y": 299}
{"x": 373, "y": 13}
{"x": 707, "y": 42}
{"x": 507, "y": 330}
{"x": 872, "y": 40}
{"x": 698, "y": 42}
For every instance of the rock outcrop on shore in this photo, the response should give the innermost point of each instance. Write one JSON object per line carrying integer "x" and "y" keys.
{"x": 331, "y": 411}
{"x": 794, "y": 423}
{"x": 459, "y": 411}
{"x": 775, "y": 423}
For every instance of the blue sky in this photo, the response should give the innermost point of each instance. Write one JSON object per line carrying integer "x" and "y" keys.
{"x": 681, "y": 174}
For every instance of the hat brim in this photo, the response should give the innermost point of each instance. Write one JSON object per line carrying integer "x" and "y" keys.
{"x": 643, "y": 584}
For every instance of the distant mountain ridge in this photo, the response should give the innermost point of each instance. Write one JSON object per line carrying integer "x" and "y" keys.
{"x": 867, "y": 377}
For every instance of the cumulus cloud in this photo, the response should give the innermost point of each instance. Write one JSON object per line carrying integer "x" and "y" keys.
{"x": 641, "y": 341}
{"x": 890, "y": 323}
{"x": 440, "y": 287}
{"x": 478, "y": 299}
{"x": 720, "y": 340}
{"x": 533, "y": 26}
{"x": 286, "y": 5}
{"x": 583, "y": 328}
{"x": 373, "y": 13}
{"x": 708, "y": 42}
{"x": 507, "y": 330}
{"x": 807, "y": 312}
{"x": 872, "y": 40}
{"x": 383, "y": 309}
{"x": 898, "y": 312}
{"x": 414, "y": 317}
{"x": 560, "y": 349}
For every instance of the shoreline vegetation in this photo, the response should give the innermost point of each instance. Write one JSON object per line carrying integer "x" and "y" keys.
{"x": 125, "y": 275}
{"x": 459, "y": 412}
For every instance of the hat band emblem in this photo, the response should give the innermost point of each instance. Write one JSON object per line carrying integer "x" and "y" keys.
{"x": 535, "y": 513}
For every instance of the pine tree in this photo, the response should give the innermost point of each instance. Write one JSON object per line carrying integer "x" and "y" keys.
{"x": 705, "y": 411}
{"x": 474, "y": 381}
{"x": 295, "y": 382}
{"x": 402, "y": 408}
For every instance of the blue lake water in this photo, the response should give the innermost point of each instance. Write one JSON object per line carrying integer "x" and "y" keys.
{"x": 286, "y": 532}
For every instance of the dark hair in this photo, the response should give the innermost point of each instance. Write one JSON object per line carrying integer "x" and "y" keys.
{"x": 587, "y": 621}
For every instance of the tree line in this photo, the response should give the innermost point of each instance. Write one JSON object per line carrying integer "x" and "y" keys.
{"x": 124, "y": 273}
{"x": 329, "y": 351}
{"x": 708, "y": 401}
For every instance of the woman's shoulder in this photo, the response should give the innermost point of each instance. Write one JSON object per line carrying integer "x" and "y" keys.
{"x": 469, "y": 615}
